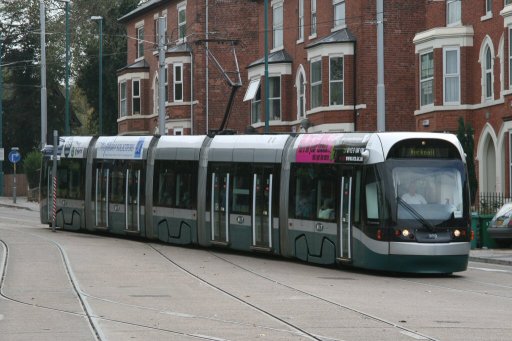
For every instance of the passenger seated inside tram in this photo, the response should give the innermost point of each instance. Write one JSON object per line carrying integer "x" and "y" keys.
{"x": 411, "y": 197}
{"x": 327, "y": 210}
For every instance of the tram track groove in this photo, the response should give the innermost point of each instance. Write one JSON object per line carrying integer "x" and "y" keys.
{"x": 245, "y": 302}
{"x": 99, "y": 336}
{"x": 354, "y": 310}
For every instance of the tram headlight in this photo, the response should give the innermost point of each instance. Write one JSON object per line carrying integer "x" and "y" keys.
{"x": 405, "y": 233}
{"x": 456, "y": 233}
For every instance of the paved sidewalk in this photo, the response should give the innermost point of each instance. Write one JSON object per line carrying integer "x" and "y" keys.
{"x": 493, "y": 256}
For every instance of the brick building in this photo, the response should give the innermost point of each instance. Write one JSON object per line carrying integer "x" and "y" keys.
{"x": 464, "y": 63}
{"x": 196, "y": 89}
{"x": 443, "y": 59}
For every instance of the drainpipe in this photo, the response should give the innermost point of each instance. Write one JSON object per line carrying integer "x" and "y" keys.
{"x": 191, "y": 93}
{"x": 381, "y": 89}
{"x": 354, "y": 86}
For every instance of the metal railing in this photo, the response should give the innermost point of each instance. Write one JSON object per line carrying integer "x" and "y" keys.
{"x": 490, "y": 203}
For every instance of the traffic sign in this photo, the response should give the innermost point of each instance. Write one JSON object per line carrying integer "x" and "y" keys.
{"x": 14, "y": 156}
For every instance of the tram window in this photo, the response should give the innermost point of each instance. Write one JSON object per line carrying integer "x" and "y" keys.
{"x": 118, "y": 189}
{"x": 69, "y": 179}
{"x": 241, "y": 191}
{"x": 175, "y": 184}
{"x": 372, "y": 195}
{"x": 312, "y": 193}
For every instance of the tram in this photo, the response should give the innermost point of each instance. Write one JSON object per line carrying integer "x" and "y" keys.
{"x": 395, "y": 202}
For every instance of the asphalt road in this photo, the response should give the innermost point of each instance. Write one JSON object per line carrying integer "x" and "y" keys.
{"x": 74, "y": 286}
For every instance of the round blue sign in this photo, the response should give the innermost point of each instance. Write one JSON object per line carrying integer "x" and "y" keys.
{"x": 14, "y": 156}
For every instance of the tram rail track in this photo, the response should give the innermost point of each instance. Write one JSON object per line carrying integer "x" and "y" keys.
{"x": 82, "y": 296}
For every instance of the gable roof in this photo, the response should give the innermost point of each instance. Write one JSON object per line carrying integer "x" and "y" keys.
{"x": 145, "y": 7}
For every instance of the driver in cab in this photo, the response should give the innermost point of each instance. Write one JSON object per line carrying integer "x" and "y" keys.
{"x": 411, "y": 197}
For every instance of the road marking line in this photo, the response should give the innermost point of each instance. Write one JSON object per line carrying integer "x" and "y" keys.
{"x": 489, "y": 269}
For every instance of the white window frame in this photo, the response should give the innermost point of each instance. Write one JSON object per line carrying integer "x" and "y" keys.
{"x": 488, "y": 8}
{"x": 300, "y": 84}
{"x": 507, "y": 2}
{"x": 166, "y": 84}
{"x": 123, "y": 110}
{"x": 140, "y": 41}
{"x": 182, "y": 25}
{"x": 447, "y": 76}
{"x": 453, "y": 12}
{"x": 333, "y": 82}
{"x": 252, "y": 89}
{"x": 256, "y": 103}
{"x": 272, "y": 99}
{"x": 429, "y": 79}
{"x": 313, "y": 19}
{"x": 488, "y": 75}
{"x": 177, "y": 131}
{"x": 339, "y": 23}
{"x": 136, "y": 96}
{"x": 300, "y": 33}
{"x": 177, "y": 81}
{"x": 315, "y": 84}
{"x": 277, "y": 25}
{"x": 510, "y": 57}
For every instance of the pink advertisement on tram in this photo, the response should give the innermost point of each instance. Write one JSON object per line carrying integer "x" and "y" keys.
{"x": 316, "y": 148}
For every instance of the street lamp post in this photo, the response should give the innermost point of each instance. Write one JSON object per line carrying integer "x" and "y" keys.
{"x": 100, "y": 104}
{"x": 1, "y": 119}
{"x": 66, "y": 118}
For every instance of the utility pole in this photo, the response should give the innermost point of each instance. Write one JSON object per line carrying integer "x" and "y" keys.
{"x": 42, "y": 19}
{"x": 100, "y": 75}
{"x": 161, "y": 76}
{"x": 267, "y": 104}
{"x": 67, "y": 129}
{"x": 381, "y": 89}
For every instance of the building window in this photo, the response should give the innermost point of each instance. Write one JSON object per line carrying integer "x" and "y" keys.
{"x": 313, "y": 17}
{"x": 510, "y": 57}
{"x": 256, "y": 106}
{"x": 508, "y": 2}
{"x": 316, "y": 83}
{"x": 451, "y": 75}
{"x": 301, "y": 95}
{"x": 140, "y": 42}
{"x": 453, "y": 12}
{"x": 339, "y": 13}
{"x": 178, "y": 131}
{"x": 182, "y": 21}
{"x": 427, "y": 78}
{"x": 178, "y": 82}
{"x": 166, "y": 84}
{"x": 274, "y": 97}
{"x": 336, "y": 81}
{"x": 488, "y": 74}
{"x": 488, "y": 7}
{"x": 135, "y": 97}
{"x": 122, "y": 100}
{"x": 277, "y": 25}
{"x": 300, "y": 34}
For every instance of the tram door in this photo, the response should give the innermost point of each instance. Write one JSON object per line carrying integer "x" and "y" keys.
{"x": 345, "y": 229}
{"x": 101, "y": 195}
{"x": 262, "y": 209}
{"x": 132, "y": 197}
{"x": 219, "y": 207}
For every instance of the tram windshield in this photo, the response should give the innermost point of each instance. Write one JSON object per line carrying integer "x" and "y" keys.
{"x": 431, "y": 192}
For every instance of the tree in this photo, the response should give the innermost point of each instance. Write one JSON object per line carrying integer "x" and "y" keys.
{"x": 465, "y": 135}
{"x": 114, "y": 58}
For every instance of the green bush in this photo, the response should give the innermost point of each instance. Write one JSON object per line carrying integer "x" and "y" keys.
{"x": 32, "y": 165}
